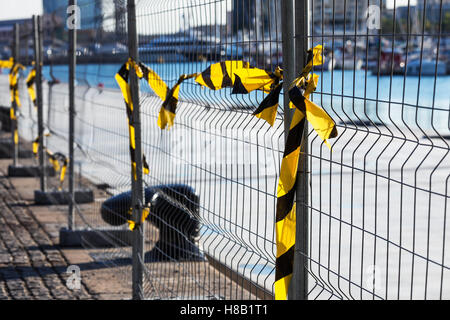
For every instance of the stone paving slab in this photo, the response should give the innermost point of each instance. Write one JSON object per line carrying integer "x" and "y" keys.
{"x": 32, "y": 265}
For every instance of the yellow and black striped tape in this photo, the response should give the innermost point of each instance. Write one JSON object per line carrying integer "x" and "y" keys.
{"x": 131, "y": 224}
{"x": 244, "y": 78}
{"x": 31, "y": 81}
{"x": 14, "y": 91}
{"x": 59, "y": 162}
{"x": 267, "y": 110}
{"x": 322, "y": 123}
{"x": 12, "y": 115}
{"x": 167, "y": 113}
{"x": 7, "y": 64}
{"x": 36, "y": 146}
{"x": 122, "y": 78}
{"x": 14, "y": 82}
{"x": 285, "y": 220}
{"x": 168, "y": 96}
{"x": 238, "y": 75}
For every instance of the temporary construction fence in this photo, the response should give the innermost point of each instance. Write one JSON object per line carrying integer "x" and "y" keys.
{"x": 370, "y": 213}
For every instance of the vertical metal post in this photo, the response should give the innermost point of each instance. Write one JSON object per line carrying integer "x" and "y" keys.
{"x": 137, "y": 186}
{"x": 288, "y": 58}
{"x": 72, "y": 65}
{"x": 300, "y": 273}
{"x": 37, "y": 29}
{"x": 16, "y": 56}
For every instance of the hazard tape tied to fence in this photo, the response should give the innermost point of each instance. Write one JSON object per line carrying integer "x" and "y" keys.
{"x": 7, "y": 64}
{"x": 325, "y": 127}
{"x": 169, "y": 96}
{"x": 122, "y": 78}
{"x": 131, "y": 224}
{"x": 14, "y": 90}
{"x": 14, "y": 82}
{"x": 59, "y": 162}
{"x": 243, "y": 79}
{"x": 31, "y": 82}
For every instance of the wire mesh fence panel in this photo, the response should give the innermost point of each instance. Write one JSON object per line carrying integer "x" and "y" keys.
{"x": 377, "y": 207}
{"x": 378, "y": 203}
{"x": 214, "y": 172}
{"x": 101, "y": 156}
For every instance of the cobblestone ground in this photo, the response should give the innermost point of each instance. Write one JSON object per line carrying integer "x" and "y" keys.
{"x": 31, "y": 265}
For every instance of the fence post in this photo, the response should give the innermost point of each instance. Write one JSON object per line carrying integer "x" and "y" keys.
{"x": 37, "y": 28}
{"x": 288, "y": 58}
{"x": 72, "y": 66}
{"x": 300, "y": 270}
{"x": 15, "y": 124}
{"x": 136, "y": 184}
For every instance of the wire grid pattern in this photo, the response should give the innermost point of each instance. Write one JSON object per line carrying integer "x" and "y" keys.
{"x": 378, "y": 200}
{"x": 27, "y": 115}
{"x": 216, "y": 146}
{"x": 101, "y": 134}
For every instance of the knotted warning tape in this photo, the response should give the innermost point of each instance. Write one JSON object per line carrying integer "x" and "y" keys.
{"x": 122, "y": 78}
{"x": 59, "y": 162}
{"x": 131, "y": 224}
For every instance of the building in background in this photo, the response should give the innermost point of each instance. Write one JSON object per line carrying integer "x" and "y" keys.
{"x": 330, "y": 16}
{"x": 7, "y": 36}
{"x": 91, "y": 12}
{"x": 260, "y": 17}
{"x": 120, "y": 17}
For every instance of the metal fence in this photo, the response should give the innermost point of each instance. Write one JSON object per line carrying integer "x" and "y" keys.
{"x": 374, "y": 207}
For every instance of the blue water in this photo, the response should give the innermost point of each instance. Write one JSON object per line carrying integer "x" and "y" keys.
{"x": 346, "y": 95}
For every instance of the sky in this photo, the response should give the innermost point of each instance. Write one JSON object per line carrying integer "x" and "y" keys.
{"x": 399, "y": 3}
{"x": 17, "y": 9}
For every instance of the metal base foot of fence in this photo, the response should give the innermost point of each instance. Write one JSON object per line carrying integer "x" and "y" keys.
{"x": 62, "y": 197}
{"x": 98, "y": 238}
{"x": 29, "y": 171}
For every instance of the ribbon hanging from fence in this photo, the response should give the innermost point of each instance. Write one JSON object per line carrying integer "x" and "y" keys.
{"x": 7, "y": 64}
{"x": 31, "y": 81}
{"x": 169, "y": 96}
{"x": 35, "y": 144}
{"x": 239, "y": 75}
{"x": 14, "y": 90}
{"x": 325, "y": 127}
{"x": 244, "y": 79}
{"x": 14, "y": 83}
{"x": 131, "y": 224}
{"x": 122, "y": 78}
{"x": 59, "y": 162}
